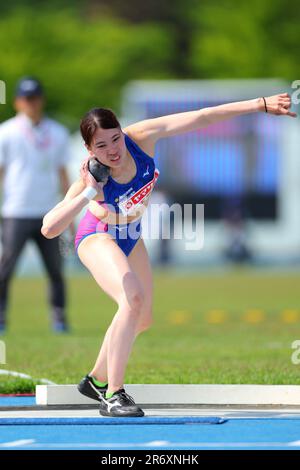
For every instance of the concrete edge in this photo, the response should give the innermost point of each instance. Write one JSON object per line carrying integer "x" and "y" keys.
{"x": 178, "y": 394}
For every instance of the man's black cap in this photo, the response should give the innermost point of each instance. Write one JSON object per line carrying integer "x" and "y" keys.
{"x": 29, "y": 86}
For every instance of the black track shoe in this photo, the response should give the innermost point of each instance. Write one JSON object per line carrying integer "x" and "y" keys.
{"x": 89, "y": 389}
{"x": 119, "y": 405}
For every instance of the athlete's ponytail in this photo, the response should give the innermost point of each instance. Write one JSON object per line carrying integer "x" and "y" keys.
{"x": 97, "y": 118}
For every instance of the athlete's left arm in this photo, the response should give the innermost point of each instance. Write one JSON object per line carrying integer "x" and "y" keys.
{"x": 166, "y": 126}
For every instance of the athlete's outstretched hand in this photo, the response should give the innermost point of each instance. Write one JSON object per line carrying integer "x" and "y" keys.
{"x": 278, "y": 104}
{"x": 89, "y": 180}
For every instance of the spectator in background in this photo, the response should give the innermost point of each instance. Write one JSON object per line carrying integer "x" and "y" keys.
{"x": 34, "y": 151}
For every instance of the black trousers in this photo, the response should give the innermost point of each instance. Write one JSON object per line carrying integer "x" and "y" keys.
{"x": 14, "y": 234}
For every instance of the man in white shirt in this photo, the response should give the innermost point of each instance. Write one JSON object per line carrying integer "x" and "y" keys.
{"x": 34, "y": 151}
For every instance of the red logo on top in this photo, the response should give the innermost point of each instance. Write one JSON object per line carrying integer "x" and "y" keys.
{"x": 127, "y": 205}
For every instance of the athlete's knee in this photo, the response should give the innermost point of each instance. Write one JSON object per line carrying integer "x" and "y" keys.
{"x": 133, "y": 293}
{"x": 132, "y": 301}
{"x": 135, "y": 300}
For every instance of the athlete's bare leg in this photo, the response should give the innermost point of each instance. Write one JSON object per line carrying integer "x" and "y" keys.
{"x": 140, "y": 264}
{"x": 129, "y": 282}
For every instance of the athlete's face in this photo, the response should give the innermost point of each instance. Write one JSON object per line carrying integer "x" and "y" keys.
{"x": 108, "y": 146}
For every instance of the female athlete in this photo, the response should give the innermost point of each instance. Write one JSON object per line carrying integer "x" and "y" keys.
{"x": 108, "y": 240}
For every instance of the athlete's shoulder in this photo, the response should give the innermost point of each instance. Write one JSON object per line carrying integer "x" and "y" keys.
{"x": 136, "y": 133}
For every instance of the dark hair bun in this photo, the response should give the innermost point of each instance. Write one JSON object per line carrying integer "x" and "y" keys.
{"x": 99, "y": 171}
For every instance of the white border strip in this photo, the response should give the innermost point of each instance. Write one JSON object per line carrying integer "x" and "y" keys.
{"x": 24, "y": 376}
{"x": 166, "y": 394}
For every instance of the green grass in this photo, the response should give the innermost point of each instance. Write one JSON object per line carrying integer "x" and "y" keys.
{"x": 189, "y": 351}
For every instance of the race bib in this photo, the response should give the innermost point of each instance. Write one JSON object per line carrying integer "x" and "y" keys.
{"x": 129, "y": 205}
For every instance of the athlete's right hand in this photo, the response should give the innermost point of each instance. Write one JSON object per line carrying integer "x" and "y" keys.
{"x": 89, "y": 180}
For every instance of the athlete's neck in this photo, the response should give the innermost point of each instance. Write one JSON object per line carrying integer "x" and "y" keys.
{"x": 125, "y": 171}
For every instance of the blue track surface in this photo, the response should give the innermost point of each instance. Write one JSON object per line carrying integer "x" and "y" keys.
{"x": 170, "y": 433}
{"x": 98, "y": 421}
{"x": 17, "y": 401}
{"x": 234, "y": 434}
